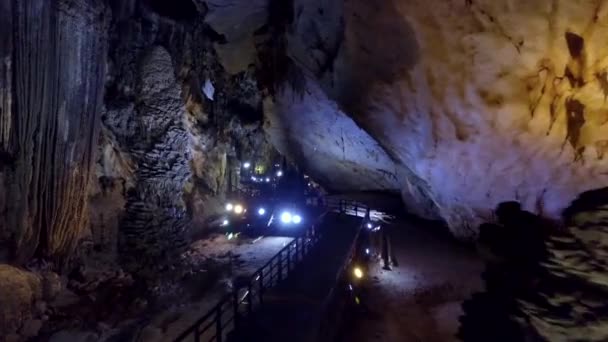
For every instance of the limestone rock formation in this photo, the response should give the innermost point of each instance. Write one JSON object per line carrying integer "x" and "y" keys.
{"x": 155, "y": 223}
{"x": 477, "y": 102}
{"x": 571, "y": 301}
{"x": 19, "y": 291}
{"x": 51, "y": 94}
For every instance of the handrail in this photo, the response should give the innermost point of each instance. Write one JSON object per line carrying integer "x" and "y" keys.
{"x": 273, "y": 272}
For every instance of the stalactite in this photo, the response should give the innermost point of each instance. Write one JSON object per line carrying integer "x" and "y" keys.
{"x": 59, "y": 51}
{"x": 6, "y": 77}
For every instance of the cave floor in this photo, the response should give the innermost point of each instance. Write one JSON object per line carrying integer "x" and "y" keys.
{"x": 242, "y": 257}
{"x": 418, "y": 301}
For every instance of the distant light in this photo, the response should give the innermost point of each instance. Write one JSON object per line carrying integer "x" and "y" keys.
{"x": 230, "y": 236}
{"x": 369, "y": 226}
{"x": 358, "y": 273}
{"x": 367, "y": 251}
{"x": 254, "y": 179}
{"x": 247, "y": 165}
{"x": 296, "y": 219}
{"x": 267, "y": 180}
{"x": 225, "y": 223}
{"x": 286, "y": 217}
{"x": 261, "y": 211}
{"x": 238, "y": 209}
{"x": 350, "y": 287}
{"x": 229, "y": 207}
{"x": 279, "y": 173}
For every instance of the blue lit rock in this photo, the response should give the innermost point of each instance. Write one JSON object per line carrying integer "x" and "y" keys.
{"x": 480, "y": 101}
{"x": 326, "y": 143}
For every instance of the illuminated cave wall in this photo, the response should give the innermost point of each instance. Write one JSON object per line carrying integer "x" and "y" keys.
{"x": 478, "y": 102}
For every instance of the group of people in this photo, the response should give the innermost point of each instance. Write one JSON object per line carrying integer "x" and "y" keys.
{"x": 375, "y": 242}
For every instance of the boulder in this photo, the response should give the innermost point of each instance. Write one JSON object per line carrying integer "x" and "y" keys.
{"x": 19, "y": 291}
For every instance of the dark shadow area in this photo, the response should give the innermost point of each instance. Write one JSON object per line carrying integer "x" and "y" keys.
{"x": 176, "y": 9}
{"x": 372, "y": 60}
{"x": 542, "y": 281}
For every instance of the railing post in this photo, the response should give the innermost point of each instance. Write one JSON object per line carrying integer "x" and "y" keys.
{"x": 288, "y": 260}
{"x": 261, "y": 287}
{"x": 218, "y": 324}
{"x": 197, "y": 334}
{"x": 299, "y": 256}
{"x": 280, "y": 267}
{"x": 235, "y": 307}
{"x": 250, "y": 299}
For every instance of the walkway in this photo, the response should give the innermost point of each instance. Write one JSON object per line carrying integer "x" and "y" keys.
{"x": 418, "y": 301}
{"x": 293, "y": 310}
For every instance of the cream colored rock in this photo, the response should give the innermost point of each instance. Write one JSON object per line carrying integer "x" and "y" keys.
{"x": 483, "y": 101}
{"x": 19, "y": 291}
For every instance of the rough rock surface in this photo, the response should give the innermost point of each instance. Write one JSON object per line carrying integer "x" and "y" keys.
{"x": 478, "y": 101}
{"x": 19, "y": 290}
{"x": 311, "y": 129}
{"x": 155, "y": 221}
{"x": 50, "y": 121}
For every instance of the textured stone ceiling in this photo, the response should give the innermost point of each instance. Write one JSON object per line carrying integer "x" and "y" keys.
{"x": 478, "y": 102}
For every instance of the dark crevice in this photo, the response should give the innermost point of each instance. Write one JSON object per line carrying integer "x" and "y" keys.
{"x": 576, "y": 44}
{"x": 176, "y": 9}
{"x": 576, "y": 119}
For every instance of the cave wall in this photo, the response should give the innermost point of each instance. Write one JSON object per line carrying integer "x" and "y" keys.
{"x": 93, "y": 129}
{"x": 166, "y": 137}
{"x": 477, "y": 102}
{"x": 52, "y": 86}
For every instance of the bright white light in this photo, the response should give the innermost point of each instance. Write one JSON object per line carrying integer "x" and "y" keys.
{"x": 350, "y": 287}
{"x": 367, "y": 251}
{"x": 286, "y": 217}
{"x": 279, "y": 173}
{"x": 230, "y": 236}
{"x": 225, "y": 223}
{"x": 267, "y": 180}
{"x": 296, "y": 219}
{"x": 229, "y": 207}
{"x": 254, "y": 179}
{"x": 247, "y": 165}
{"x": 358, "y": 273}
{"x": 238, "y": 209}
{"x": 261, "y": 211}
{"x": 369, "y": 226}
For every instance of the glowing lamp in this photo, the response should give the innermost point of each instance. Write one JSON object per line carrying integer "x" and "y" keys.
{"x": 358, "y": 273}
{"x": 286, "y": 217}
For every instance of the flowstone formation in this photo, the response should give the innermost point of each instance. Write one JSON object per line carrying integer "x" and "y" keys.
{"x": 51, "y": 92}
{"x": 155, "y": 223}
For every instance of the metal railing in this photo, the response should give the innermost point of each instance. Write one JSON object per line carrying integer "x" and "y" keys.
{"x": 224, "y": 317}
